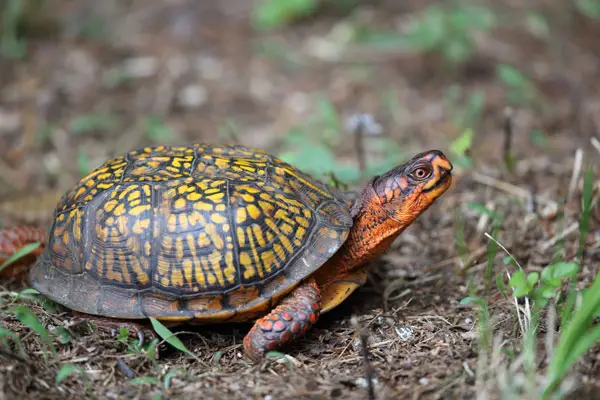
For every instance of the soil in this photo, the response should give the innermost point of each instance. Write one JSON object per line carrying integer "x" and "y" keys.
{"x": 199, "y": 66}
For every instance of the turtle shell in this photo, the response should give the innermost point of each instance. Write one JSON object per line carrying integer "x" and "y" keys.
{"x": 200, "y": 232}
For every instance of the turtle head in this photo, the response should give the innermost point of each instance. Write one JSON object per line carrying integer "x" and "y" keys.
{"x": 390, "y": 203}
{"x": 409, "y": 189}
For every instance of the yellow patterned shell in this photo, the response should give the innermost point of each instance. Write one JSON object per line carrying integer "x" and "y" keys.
{"x": 202, "y": 232}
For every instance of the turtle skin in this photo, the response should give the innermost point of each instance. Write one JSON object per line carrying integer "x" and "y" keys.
{"x": 200, "y": 233}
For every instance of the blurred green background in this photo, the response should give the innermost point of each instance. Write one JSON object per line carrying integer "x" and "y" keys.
{"x": 84, "y": 80}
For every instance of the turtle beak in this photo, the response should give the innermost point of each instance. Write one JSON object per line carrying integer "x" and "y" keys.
{"x": 442, "y": 176}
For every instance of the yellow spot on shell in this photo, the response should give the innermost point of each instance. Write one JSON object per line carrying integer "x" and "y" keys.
{"x": 203, "y": 240}
{"x": 180, "y": 203}
{"x": 172, "y": 223}
{"x": 187, "y": 269}
{"x": 258, "y": 264}
{"x": 300, "y": 232}
{"x": 266, "y": 207}
{"x": 119, "y": 210}
{"x": 222, "y": 163}
{"x": 211, "y": 230}
{"x": 179, "y": 248}
{"x": 183, "y": 221}
{"x": 245, "y": 260}
{"x": 302, "y": 221}
{"x": 216, "y": 198}
{"x": 200, "y": 206}
{"x": 104, "y": 186}
{"x": 80, "y": 192}
{"x": 139, "y": 209}
{"x": 286, "y": 228}
{"x": 211, "y": 279}
{"x": 258, "y": 235}
{"x": 218, "y": 218}
{"x": 229, "y": 271}
{"x": 110, "y": 205}
{"x": 133, "y": 196}
{"x": 122, "y": 223}
{"x": 177, "y": 277}
{"x": 140, "y": 225}
{"x": 194, "y": 196}
{"x": 215, "y": 260}
{"x": 247, "y": 198}
{"x": 253, "y": 211}
{"x": 279, "y": 250}
{"x": 241, "y": 237}
{"x": 240, "y": 215}
{"x": 267, "y": 257}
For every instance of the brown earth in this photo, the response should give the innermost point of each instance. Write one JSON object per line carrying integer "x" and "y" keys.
{"x": 198, "y": 66}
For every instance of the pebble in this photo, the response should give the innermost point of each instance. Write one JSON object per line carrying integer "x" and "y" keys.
{"x": 193, "y": 96}
{"x": 362, "y": 382}
{"x": 141, "y": 67}
{"x": 9, "y": 121}
{"x": 404, "y": 332}
{"x": 210, "y": 68}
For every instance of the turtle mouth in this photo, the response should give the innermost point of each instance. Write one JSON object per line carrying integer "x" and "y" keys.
{"x": 442, "y": 183}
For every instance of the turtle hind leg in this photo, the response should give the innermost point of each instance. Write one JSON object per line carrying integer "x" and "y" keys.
{"x": 294, "y": 315}
{"x": 11, "y": 241}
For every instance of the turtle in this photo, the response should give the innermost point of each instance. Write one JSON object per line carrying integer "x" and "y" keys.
{"x": 209, "y": 233}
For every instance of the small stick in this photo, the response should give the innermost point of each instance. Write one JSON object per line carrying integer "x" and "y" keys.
{"x": 552, "y": 241}
{"x": 359, "y": 134}
{"x": 595, "y": 143}
{"x": 576, "y": 173}
{"x": 508, "y": 134}
{"x": 364, "y": 344}
{"x": 359, "y": 125}
{"x": 124, "y": 368}
{"x": 508, "y": 187}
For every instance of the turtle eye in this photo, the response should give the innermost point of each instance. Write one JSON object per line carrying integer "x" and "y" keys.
{"x": 420, "y": 173}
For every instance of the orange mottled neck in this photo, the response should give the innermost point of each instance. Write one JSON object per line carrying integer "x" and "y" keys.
{"x": 373, "y": 232}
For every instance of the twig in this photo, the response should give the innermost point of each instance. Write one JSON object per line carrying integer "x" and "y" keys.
{"x": 527, "y": 314}
{"x": 124, "y": 368}
{"x": 364, "y": 339}
{"x": 544, "y": 246}
{"x": 359, "y": 125}
{"x": 359, "y": 134}
{"x": 576, "y": 173}
{"x": 508, "y": 187}
{"x": 595, "y": 143}
{"x": 508, "y": 134}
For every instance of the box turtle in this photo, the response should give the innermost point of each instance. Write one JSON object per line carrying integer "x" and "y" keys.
{"x": 210, "y": 233}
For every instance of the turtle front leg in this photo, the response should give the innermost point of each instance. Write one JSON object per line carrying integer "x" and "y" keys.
{"x": 13, "y": 239}
{"x": 294, "y": 315}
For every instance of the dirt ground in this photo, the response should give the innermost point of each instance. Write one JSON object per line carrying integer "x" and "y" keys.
{"x": 199, "y": 66}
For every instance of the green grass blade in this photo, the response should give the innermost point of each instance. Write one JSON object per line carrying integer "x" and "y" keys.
{"x": 568, "y": 342}
{"x": 584, "y": 222}
{"x": 168, "y": 336}
{"x": 29, "y": 319}
{"x": 67, "y": 370}
{"x": 586, "y": 340}
{"x": 22, "y": 252}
